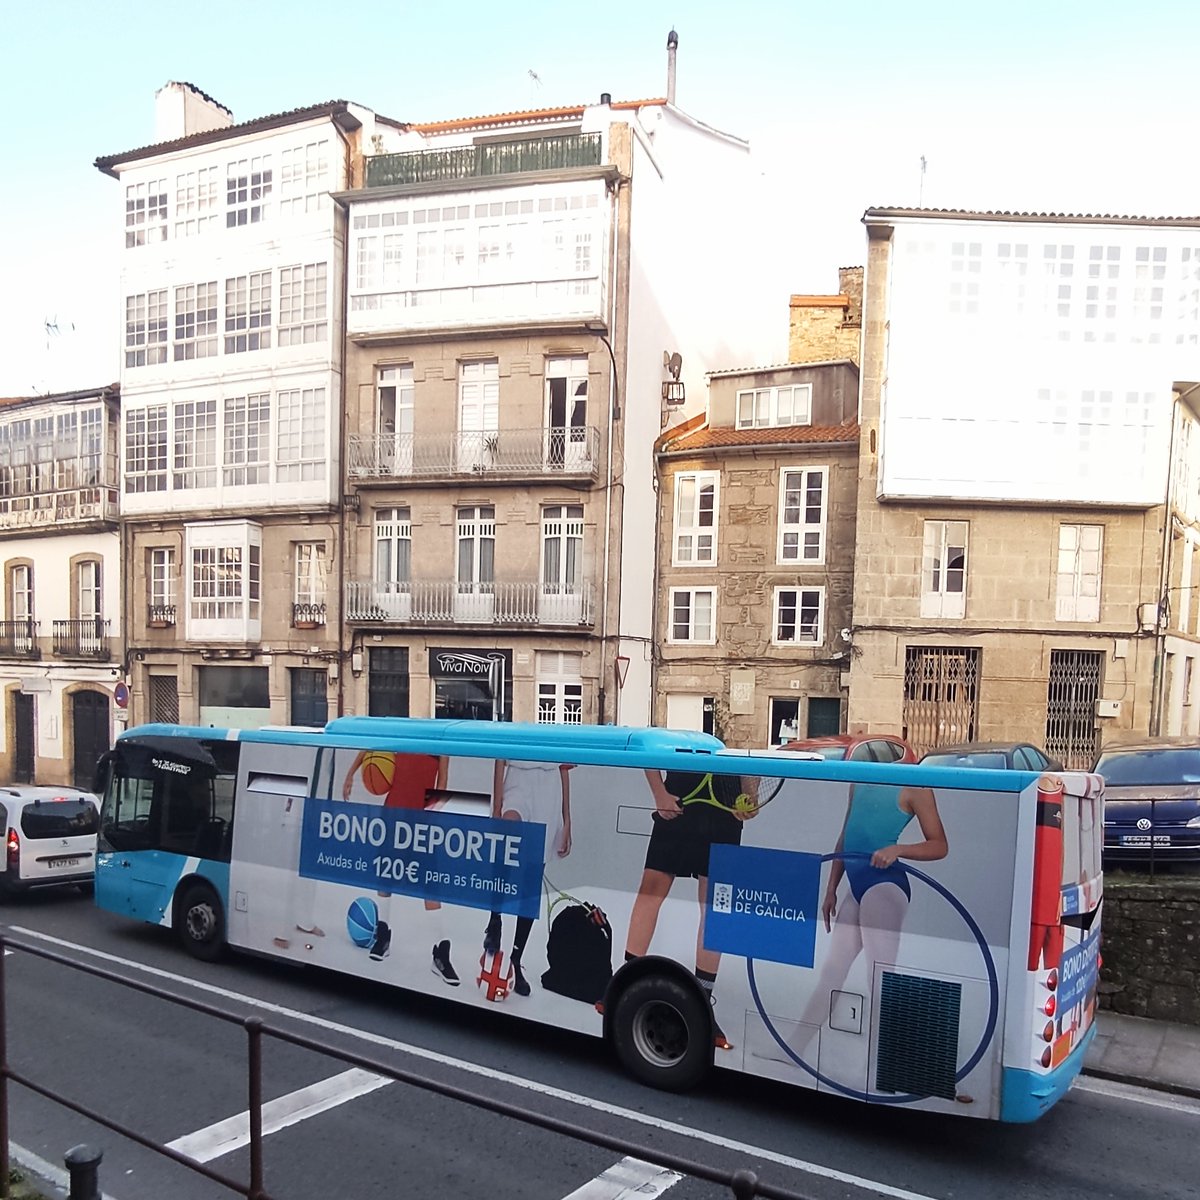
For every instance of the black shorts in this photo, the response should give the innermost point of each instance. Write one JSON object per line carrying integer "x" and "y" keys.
{"x": 680, "y": 846}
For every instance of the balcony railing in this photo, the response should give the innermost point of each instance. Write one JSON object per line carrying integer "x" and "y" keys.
{"x": 160, "y": 616}
{"x": 18, "y": 639}
{"x": 87, "y": 638}
{"x": 448, "y": 602}
{"x": 514, "y": 453}
{"x": 308, "y": 616}
{"x": 499, "y": 158}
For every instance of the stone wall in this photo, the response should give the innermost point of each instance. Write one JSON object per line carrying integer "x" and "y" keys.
{"x": 1151, "y": 947}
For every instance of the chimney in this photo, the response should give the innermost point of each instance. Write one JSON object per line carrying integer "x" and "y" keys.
{"x": 606, "y": 97}
{"x": 181, "y": 110}
{"x": 672, "y": 46}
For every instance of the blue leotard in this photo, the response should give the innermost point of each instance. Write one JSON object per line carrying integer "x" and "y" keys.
{"x": 876, "y": 820}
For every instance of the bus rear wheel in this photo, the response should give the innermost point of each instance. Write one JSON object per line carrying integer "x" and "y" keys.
{"x": 202, "y": 923}
{"x": 662, "y": 1033}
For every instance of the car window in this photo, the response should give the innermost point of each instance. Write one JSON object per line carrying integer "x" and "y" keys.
{"x": 862, "y": 753}
{"x": 1133, "y": 768}
{"x": 59, "y": 819}
{"x": 992, "y": 759}
{"x": 887, "y": 751}
{"x": 1028, "y": 758}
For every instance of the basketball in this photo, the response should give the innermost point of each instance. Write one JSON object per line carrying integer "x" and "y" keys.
{"x": 378, "y": 769}
{"x": 361, "y": 919}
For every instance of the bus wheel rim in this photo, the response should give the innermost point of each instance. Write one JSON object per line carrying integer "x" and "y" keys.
{"x": 660, "y": 1034}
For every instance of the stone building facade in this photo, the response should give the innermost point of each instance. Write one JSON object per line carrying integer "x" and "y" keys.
{"x": 756, "y": 517}
{"x": 827, "y": 327}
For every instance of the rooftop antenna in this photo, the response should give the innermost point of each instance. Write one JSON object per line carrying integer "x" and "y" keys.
{"x": 921, "y": 189}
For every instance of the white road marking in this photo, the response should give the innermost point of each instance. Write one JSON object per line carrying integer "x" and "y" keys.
{"x": 232, "y": 1134}
{"x": 629, "y": 1179}
{"x": 552, "y": 1093}
{"x": 1138, "y": 1095}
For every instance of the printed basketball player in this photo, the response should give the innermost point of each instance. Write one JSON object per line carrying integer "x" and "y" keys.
{"x": 408, "y": 781}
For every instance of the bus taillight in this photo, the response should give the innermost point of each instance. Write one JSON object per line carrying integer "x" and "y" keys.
{"x": 1047, "y": 1056}
{"x": 1049, "y": 1007}
{"x": 1048, "y": 1032}
{"x": 1052, "y": 980}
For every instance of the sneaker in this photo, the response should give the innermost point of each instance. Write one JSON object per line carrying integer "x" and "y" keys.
{"x": 382, "y": 942}
{"x": 491, "y": 935}
{"x": 441, "y": 964}
{"x": 520, "y": 983}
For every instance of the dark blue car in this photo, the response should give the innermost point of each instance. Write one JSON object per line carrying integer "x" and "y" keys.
{"x": 1151, "y": 800}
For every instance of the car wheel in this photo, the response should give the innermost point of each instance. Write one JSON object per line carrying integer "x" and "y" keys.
{"x": 202, "y": 923}
{"x": 662, "y": 1033}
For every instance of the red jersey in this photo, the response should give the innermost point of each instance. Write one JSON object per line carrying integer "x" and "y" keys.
{"x": 412, "y": 776}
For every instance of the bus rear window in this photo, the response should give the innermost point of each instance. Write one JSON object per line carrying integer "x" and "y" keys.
{"x": 59, "y": 819}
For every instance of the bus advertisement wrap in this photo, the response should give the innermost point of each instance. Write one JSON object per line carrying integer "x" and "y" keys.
{"x": 473, "y": 861}
{"x": 763, "y": 903}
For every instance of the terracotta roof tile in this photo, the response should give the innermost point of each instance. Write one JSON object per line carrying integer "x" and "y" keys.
{"x": 571, "y": 111}
{"x": 824, "y": 362}
{"x": 967, "y": 214}
{"x": 784, "y": 435}
{"x": 819, "y": 301}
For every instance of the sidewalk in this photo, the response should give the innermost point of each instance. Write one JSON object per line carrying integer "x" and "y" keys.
{"x": 1156, "y": 1054}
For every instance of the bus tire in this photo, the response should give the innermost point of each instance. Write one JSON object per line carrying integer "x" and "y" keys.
{"x": 202, "y": 923}
{"x": 662, "y": 1033}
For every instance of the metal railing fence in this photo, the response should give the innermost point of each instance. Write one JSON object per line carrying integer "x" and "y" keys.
{"x": 744, "y": 1184}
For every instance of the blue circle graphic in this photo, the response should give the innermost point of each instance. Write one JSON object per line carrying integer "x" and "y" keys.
{"x": 993, "y": 996}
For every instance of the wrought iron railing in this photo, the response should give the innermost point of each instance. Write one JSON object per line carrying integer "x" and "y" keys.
{"x": 308, "y": 616}
{"x": 18, "y": 639}
{"x": 87, "y": 638}
{"x": 742, "y": 1182}
{"x": 553, "y": 452}
{"x": 160, "y": 616}
{"x": 448, "y": 602}
{"x": 517, "y": 157}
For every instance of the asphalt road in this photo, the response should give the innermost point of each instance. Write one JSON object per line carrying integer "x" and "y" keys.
{"x": 180, "y": 1077}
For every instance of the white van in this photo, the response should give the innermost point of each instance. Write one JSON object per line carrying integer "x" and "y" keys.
{"x": 49, "y": 838}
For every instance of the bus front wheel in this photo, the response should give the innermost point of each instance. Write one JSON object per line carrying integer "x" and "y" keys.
{"x": 662, "y": 1033}
{"x": 202, "y": 923}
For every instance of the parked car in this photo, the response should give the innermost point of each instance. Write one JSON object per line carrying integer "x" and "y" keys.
{"x": 1151, "y": 799}
{"x": 49, "y": 838}
{"x": 856, "y": 747}
{"x": 999, "y": 756}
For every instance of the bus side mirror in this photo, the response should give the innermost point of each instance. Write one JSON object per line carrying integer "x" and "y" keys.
{"x": 103, "y": 771}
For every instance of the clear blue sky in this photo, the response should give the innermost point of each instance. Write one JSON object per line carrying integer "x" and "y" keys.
{"x": 1059, "y": 106}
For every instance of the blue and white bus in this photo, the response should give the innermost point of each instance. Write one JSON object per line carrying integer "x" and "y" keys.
{"x": 901, "y": 935}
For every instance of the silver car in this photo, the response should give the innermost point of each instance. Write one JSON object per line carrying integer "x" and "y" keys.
{"x": 49, "y": 838}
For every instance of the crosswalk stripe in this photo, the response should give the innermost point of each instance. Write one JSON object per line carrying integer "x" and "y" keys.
{"x": 626, "y": 1180}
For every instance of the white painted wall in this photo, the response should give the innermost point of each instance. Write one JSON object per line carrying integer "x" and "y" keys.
{"x": 1035, "y": 360}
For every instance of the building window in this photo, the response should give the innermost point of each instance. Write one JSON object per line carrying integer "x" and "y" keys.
{"x": 89, "y": 598}
{"x": 22, "y": 593}
{"x": 559, "y": 688}
{"x": 944, "y": 569}
{"x": 478, "y": 413}
{"x": 566, "y": 411}
{"x": 310, "y": 573}
{"x": 302, "y": 308}
{"x": 476, "y": 548}
{"x": 799, "y": 616}
{"x": 225, "y": 577}
{"x": 941, "y": 696}
{"x": 300, "y": 435}
{"x": 146, "y": 329}
{"x": 247, "y": 440}
{"x": 803, "y": 505}
{"x": 248, "y": 312}
{"x": 162, "y": 578}
{"x": 247, "y": 191}
{"x": 194, "y": 462}
{"x": 1080, "y": 556}
{"x": 759, "y": 408}
{"x": 146, "y": 449}
{"x": 196, "y": 321}
{"x": 394, "y": 413}
{"x": 195, "y": 202}
{"x": 693, "y": 615}
{"x": 393, "y": 547}
{"x": 562, "y": 547}
{"x": 696, "y": 497}
{"x": 146, "y": 213}
{"x": 303, "y": 177}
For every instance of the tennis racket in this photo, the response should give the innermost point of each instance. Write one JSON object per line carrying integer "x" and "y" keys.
{"x": 705, "y": 792}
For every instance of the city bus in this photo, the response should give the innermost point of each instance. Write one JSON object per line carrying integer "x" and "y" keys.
{"x": 921, "y": 937}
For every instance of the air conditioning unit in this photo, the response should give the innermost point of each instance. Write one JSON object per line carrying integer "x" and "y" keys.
{"x": 1108, "y": 708}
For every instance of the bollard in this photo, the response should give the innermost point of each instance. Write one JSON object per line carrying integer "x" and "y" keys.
{"x": 83, "y": 1165}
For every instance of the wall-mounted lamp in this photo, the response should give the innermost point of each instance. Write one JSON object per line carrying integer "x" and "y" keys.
{"x": 672, "y": 389}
